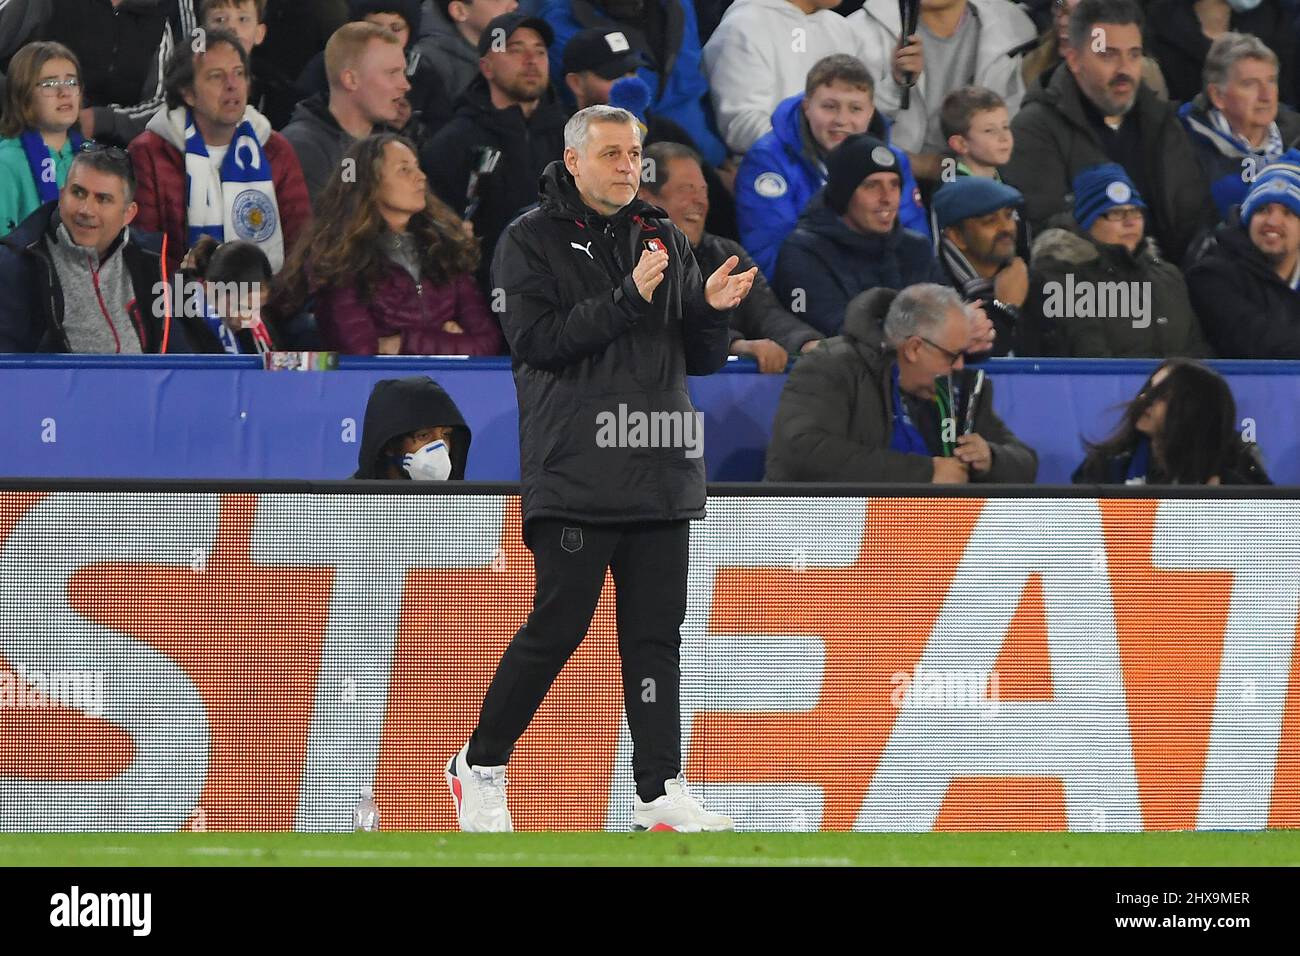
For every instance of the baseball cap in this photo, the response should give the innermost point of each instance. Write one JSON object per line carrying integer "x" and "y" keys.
{"x": 607, "y": 53}
{"x": 502, "y": 28}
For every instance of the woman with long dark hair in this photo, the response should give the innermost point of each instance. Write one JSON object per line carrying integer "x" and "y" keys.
{"x": 1180, "y": 429}
{"x": 388, "y": 267}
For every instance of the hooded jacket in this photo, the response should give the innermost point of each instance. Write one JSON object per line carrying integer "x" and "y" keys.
{"x": 1222, "y": 157}
{"x": 831, "y": 263}
{"x": 753, "y": 63}
{"x": 1247, "y": 311}
{"x": 1055, "y": 142}
{"x": 777, "y": 178}
{"x": 591, "y": 358}
{"x": 1172, "y": 328}
{"x": 32, "y": 300}
{"x": 158, "y": 156}
{"x": 835, "y": 419}
{"x": 1173, "y": 36}
{"x": 526, "y": 146}
{"x": 430, "y": 101}
{"x": 677, "y": 85}
{"x": 318, "y": 141}
{"x": 441, "y": 44}
{"x": 1004, "y": 31}
{"x": 399, "y": 406}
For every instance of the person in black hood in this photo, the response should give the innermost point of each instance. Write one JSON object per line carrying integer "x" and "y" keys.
{"x": 508, "y": 125}
{"x": 413, "y": 430}
{"x": 606, "y": 314}
{"x": 429, "y": 103}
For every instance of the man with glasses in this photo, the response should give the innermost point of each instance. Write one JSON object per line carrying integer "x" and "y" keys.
{"x": 856, "y": 411}
{"x": 1098, "y": 110}
{"x": 1100, "y": 289}
{"x": 74, "y": 278}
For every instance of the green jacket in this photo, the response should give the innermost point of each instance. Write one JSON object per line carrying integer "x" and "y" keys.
{"x": 1159, "y": 323}
{"x": 18, "y": 195}
{"x": 836, "y": 416}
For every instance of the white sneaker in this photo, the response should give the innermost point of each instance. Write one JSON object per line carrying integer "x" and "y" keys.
{"x": 678, "y": 809}
{"x": 480, "y": 795}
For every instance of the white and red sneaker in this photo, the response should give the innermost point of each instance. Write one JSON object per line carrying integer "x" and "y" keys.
{"x": 678, "y": 809}
{"x": 480, "y": 795}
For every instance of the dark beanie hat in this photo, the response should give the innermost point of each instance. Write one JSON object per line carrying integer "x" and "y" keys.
{"x": 853, "y": 161}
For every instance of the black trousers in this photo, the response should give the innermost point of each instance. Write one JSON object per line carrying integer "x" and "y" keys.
{"x": 649, "y": 562}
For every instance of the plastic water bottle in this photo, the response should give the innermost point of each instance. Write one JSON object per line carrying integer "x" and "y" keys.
{"x": 366, "y": 815}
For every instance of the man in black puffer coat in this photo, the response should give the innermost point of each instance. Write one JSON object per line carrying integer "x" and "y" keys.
{"x": 606, "y": 313}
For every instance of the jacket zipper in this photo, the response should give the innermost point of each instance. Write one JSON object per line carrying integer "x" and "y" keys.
{"x": 94, "y": 278}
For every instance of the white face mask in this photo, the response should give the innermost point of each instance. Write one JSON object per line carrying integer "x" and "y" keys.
{"x": 430, "y": 463}
{"x": 1244, "y": 6}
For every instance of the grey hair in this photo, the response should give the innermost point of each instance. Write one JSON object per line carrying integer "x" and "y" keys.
{"x": 920, "y": 310}
{"x": 576, "y": 129}
{"x": 1230, "y": 48}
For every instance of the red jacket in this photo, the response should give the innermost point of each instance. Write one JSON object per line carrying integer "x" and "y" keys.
{"x": 160, "y": 191}
{"x": 354, "y": 325}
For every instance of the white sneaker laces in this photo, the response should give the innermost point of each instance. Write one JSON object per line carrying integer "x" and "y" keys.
{"x": 492, "y": 787}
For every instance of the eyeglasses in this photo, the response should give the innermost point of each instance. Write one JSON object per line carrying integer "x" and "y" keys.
{"x": 1123, "y": 214}
{"x": 952, "y": 357}
{"x": 52, "y": 87}
{"x": 115, "y": 153}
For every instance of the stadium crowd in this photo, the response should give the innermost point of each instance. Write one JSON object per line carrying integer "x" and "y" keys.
{"x": 1079, "y": 178}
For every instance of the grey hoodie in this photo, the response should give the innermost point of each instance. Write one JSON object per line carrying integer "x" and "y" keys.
{"x": 455, "y": 59}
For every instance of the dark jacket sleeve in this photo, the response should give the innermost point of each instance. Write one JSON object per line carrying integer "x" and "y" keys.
{"x": 1037, "y": 168}
{"x": 761, "y": 316}
{"x": 798, "y": 267}
{"x": 19, "y": 310}
{"x": 706, "y": 332}
{"x": 121, "y": 123}
{"x": 315, "y": 163}
{"x": 1014, "y": 462}
{"x": 541, "y": 331}
{"x": 1236, "y": 323}
{"x": 811, "y": 439}
{"x": 447, "y": 164}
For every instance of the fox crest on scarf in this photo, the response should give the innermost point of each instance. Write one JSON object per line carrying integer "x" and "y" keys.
{"x": 238, "y": 204}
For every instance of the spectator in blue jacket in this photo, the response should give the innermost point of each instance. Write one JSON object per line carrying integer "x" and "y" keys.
{"x": 666, "y": 33}
{"x": 787, "y": 164}
{"x": 849, "y": 239}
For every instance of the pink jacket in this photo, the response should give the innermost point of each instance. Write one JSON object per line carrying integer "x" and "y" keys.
{"x": 354, "y": 325}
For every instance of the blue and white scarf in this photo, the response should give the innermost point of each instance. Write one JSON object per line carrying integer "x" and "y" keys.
{"x": 41, "y": 161}
{"x": 241, "y": 204}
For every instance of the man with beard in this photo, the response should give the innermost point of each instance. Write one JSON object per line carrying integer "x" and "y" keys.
{"x": 508, "y": 125}
{"x": 1244, "y": 287}
{"x": 977, "y": 219}
{"x": 1097, "y": 111}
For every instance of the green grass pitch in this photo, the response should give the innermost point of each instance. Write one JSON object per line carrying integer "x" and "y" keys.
{"x": 1267, "y": 848}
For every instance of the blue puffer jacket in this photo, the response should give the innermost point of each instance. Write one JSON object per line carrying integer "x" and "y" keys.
{"x": 829, "y": 264}
{"x": 681, "y": 97}
{"x": 776, "y": 180}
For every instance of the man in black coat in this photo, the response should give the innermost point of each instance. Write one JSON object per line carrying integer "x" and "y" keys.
{"x": 760, "y": 326}
{"x": 1096, "y": 110}
{"x": 606, "y": 314}
{"x": 508, "y": 125}
{"x": 1245, "y": 286}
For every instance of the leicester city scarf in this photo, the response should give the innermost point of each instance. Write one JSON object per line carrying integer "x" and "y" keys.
{"x": 241, "y": 203}
{"x": 43, "y": 164}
